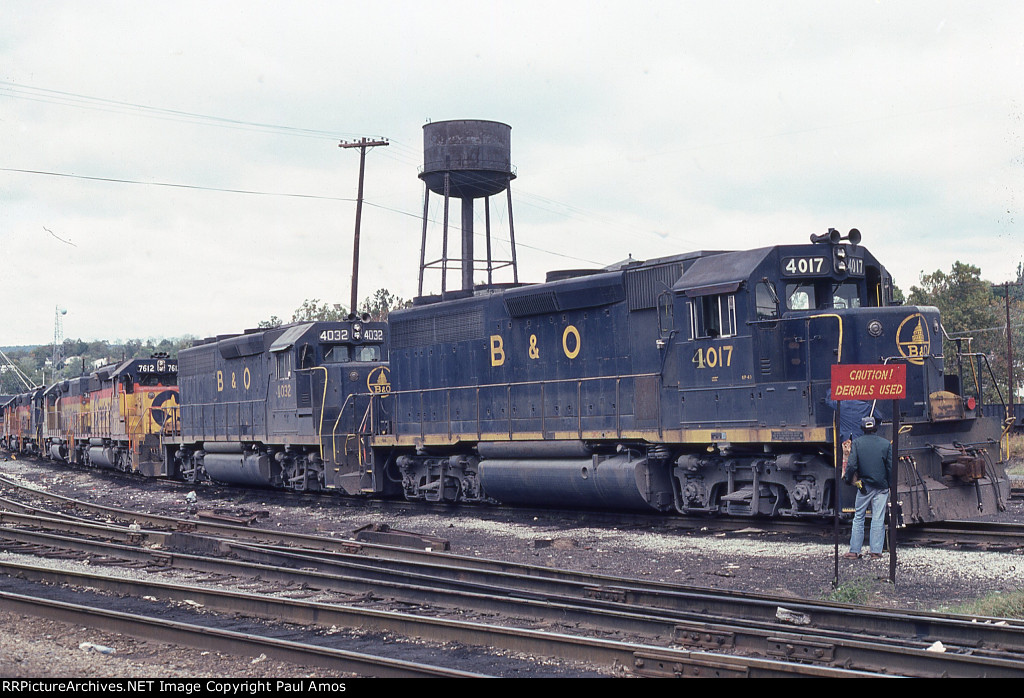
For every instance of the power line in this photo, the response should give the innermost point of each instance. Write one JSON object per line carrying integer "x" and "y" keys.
{"x": 405, "y": 154}
{"x": 253, "y": 192}
{"x": 72, "y": 99}
{"x": 176, "y": 186}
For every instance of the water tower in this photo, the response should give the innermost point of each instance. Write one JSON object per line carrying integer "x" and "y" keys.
{"x": 467, "y": 159}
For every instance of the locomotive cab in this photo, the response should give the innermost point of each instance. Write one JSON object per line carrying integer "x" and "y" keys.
{"x": 765, "y": 328}
{"x": 24, "y": 416}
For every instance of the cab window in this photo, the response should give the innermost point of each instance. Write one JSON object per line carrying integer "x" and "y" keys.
{"x": 368, "y": 352}
{"x": 766, "y": 302}
{"x": 284, "y": 365}
{"x": 713, "y": 316}
{"x": 800, "y": 297}
{"x": 845, "y": 296}
{"x": 337, "y": 354}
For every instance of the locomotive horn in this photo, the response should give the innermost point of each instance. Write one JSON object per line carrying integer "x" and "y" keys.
{"x": 853, "y": 236}
{"x": 832, "y": 236}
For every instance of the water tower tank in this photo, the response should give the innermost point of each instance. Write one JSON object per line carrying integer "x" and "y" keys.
{"x": 476, "y": 155}
{"x": 467, "y": 159}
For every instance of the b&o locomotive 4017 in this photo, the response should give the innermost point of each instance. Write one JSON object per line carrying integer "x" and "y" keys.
{"x": 697, "y": 383}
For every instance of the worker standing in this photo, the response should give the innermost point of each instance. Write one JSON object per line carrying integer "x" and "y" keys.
{"x": 869, "y": 468}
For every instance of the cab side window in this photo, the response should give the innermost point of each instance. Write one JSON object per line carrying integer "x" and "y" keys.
{"x": 766, "y": 302}
{"x": 713, "y": 316}
{"x": 284, "y": 365}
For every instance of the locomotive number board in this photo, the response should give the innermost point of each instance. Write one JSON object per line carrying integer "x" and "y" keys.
{"x": 818, "y": 266}
{"x": 806, "y": 266}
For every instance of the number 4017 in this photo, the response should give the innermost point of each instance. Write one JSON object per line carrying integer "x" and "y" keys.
{"x": 713, "y": 357}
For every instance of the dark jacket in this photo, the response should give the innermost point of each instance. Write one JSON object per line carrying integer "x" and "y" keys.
{"x": 870, "y": 461}
{"x": 851, "y": 412}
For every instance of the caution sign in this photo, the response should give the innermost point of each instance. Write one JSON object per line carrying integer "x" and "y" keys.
{"x": 869, "y": 381}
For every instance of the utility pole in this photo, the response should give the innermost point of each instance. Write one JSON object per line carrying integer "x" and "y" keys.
{"x": 57, "y": 356}
{"x": 362, "y": 144}
{"x": 1009, "y": 346}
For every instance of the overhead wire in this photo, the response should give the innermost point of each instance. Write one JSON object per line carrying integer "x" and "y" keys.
{"x": 399, "y": 152}
{"x": 72, "y": 99}
{"x": 254, "y": 192}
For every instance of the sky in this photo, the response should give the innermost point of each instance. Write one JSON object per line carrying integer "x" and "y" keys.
{"x": 172, "y": 168}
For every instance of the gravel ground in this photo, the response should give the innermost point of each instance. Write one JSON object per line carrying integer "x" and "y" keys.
{"x": 796, "y": 566}
{"x": 38, "y": 648}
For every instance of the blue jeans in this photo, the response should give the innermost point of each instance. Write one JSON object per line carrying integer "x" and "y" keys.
{"x": 876, "y": 501}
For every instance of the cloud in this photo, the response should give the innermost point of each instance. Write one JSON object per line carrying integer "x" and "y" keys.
{"x": 637, "y": 128}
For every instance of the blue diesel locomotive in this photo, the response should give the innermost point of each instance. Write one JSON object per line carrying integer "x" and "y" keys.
{"x": 280, "y": 407}
{"x": 697, "y": 383}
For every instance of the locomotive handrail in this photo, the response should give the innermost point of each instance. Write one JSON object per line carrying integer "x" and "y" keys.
{"x": 174, "y": 419}
{"x": 524, "y": 383}
{"x": 508, "y": 386}
{"x": 214, "y": 405}
{"x": 839, "y": 318}
{"x": 323, "y": 402}
{"x": 334, "y": 429}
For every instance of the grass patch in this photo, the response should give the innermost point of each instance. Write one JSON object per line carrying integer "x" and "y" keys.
{"x": 1015, "y": 465}
{"x": 994, "y": 605}
{"x": 856, "y": 591}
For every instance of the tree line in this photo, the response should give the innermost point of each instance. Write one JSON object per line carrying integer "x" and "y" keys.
{"x": 974, "y": 317}
{"x": 78, "y": 356}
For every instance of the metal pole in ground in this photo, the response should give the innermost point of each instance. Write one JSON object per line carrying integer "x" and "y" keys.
{"x": 894, "y": 479}
{"x": 836, "y": 506}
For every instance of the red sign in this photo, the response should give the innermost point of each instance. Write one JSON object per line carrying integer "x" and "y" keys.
{"x": 869, "y": 381}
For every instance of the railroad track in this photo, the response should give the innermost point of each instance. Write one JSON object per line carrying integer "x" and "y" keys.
{"x": 958, "y": 534}
{"x": 662, "y": 615}
{"x": 643, "y": 660}
{"x": 217, "y": 639}
{"x": 277, "y": 549}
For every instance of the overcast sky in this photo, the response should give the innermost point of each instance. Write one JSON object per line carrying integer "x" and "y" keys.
{"x": 638, "y": 128}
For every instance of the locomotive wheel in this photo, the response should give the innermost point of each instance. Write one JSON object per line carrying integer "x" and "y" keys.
{"x": 312, "y": 482}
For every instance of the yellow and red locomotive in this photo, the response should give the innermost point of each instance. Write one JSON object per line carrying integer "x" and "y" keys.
{"x": 114, "y": 417}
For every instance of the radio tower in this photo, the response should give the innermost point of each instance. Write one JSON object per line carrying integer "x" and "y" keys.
{"x": 57, "y": 357}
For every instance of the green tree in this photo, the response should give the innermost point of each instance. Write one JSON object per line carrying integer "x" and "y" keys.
{"x": 312, "y": 310}
{"x": 962, "y": 296}
{"x": 376, "y": 307}
{"x": 971, "y": 313}
{"x": 273, "y": 322}
{"x": 381, "y": 303}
